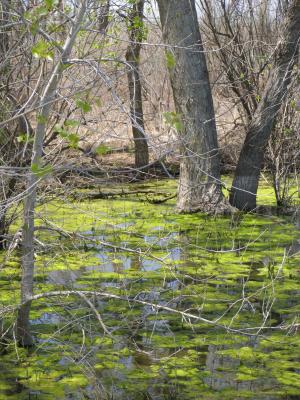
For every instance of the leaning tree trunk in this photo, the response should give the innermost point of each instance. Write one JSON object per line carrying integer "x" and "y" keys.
{"x": 23, "y": 325}
{"x": 245, "y": 183}
{"x": 199, "y": 185}
{"x": 136, "y": 28}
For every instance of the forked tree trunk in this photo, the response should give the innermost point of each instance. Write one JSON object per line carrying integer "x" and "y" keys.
{"x": 23, "y": 324}
{"x": 199, "y": 185}
{"x": 136, "y": 28}
{"x": 245, "y": 183}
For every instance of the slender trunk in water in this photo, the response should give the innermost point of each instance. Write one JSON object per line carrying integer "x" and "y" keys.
{"x": 23, "y": 324}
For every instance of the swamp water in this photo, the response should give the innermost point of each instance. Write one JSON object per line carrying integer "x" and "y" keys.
{"x": 241, "y": 272}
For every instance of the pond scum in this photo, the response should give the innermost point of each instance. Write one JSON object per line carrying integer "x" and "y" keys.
{"x": 240, "y": 272}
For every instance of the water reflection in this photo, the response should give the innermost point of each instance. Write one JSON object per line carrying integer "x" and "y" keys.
{"x": 47, "y": 318}
{"x": 150, "y": 265}
{"x": 64, "y": 277}
{"x": 149, "y": 345}
{"x": 223, "y": 373}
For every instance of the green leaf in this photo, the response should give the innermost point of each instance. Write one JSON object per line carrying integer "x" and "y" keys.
{"x": 23, "y": 137}
{"x": 71, "y": 122}
{"x": 170, "y": 59}
{"x": 73, "y": 139}
{"x": 102, "y": 149}
{"x": 174, "y": 119}
{"x": 41, "y": 171}
{"x": 83, "y": 105}
{"x": 137, "y": 22}
{"x": 50, "y": 4}
{"x": 36, "y": 13}
{"x": 61, "y": 131}
{"x": 42, "y": 49}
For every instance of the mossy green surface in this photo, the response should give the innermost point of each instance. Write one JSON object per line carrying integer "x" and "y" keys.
{"x": 239, "y": 269}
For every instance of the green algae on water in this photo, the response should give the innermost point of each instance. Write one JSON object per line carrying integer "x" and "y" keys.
{"x": 236, "y": 270}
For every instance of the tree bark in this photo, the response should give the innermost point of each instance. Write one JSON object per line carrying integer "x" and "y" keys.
{"x": 4, "y": 44}
{"x": 3, "y": 231}
{"x": 23, "y": 324}
{"x": 7, "y": 183}
{"x": 244, "y": 188}
{"x": 135, "y": 28}
{"x": 8, "y": 190}
{"x": 199, "y": 185}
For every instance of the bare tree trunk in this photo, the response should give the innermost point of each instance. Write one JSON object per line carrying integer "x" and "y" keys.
{"x": 2, "y": 231}
{"x": 245, "y": 183}
{"x": 7, "y": 184}
{"x": 23, "y": 325}
{"x": 136, "y": 28}
{"x": 8, "y": 190}
{"x": 199, "y": 185}
{"x": 4, "y": 44}
{"x": 103, "y": 16}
